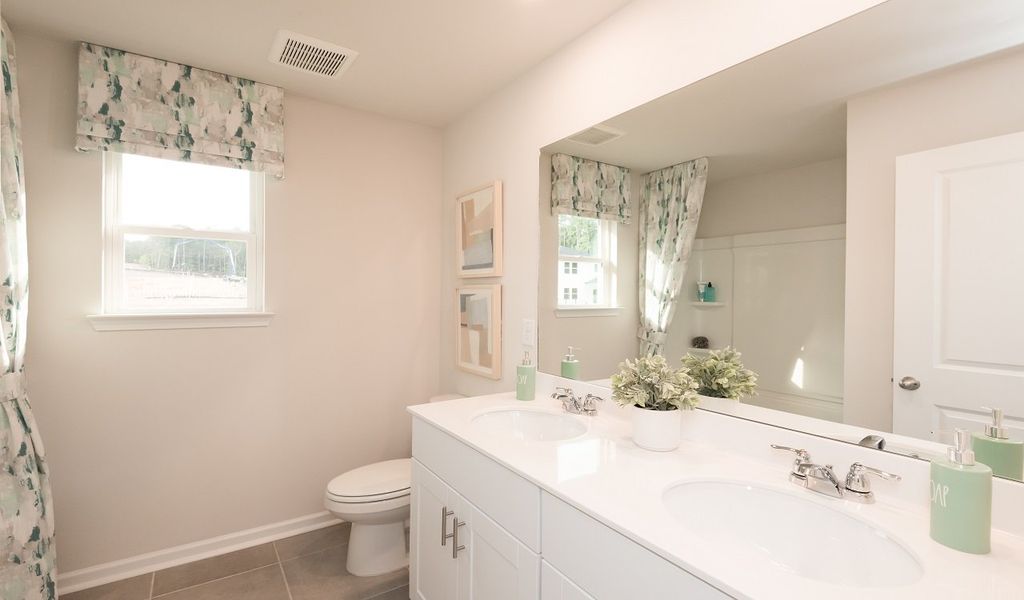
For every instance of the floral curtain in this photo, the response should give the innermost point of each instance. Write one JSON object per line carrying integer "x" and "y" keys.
{"x": 132, "y": 103}
{"x": 587, "y": 188}
{"x": 27, "y": 552}
{"x": 670, "y": 203}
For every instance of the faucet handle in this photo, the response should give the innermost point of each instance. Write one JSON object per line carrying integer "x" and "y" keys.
{"x": 858, "y": 482}
{"x": 588, "y": 405}
{"x": 802, "y": 455}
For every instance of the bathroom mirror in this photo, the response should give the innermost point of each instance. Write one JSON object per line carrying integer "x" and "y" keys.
{"x": 855, "y": 234}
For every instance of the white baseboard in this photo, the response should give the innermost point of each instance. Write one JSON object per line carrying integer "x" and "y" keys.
{"x": 88, "y": 577}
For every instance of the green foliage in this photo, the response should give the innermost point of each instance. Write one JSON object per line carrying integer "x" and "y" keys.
{"x": 721, "y": 374}
{"x": 180, "y": 255}
{"x": 578, "y": 233}
{"x": 649, "y": 382}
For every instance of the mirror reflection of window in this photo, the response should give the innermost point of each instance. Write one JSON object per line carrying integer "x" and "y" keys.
{"x": 586, "y": 262}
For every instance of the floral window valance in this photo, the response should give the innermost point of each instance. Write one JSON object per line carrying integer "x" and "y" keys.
{"x": 141, "y": 105}
{"x": 587, "y": 188}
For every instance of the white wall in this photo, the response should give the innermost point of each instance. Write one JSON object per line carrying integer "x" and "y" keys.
{"x": 781, "y": 306}
{"x": 649, "y": 48}
{"x": 808, "y": 195}
{"x": 160, "y": 438}
{"x": 974, "y": 101}
{"x": 604, "y": 341}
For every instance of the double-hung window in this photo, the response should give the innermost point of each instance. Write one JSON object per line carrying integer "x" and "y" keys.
{"x": 586, "y": 262}
{"x": 181, "y": 238}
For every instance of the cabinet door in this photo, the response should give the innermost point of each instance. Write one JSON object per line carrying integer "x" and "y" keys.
{"x": 555, "y": 586}
{"x": 494, "y": 565}
{"x": 433, "y": 571}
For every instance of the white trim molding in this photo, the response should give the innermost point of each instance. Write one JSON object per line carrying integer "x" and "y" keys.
{"x": 587, "y": 311}
{"x": 117, "y": 570}
{"x": 142, "y": 322}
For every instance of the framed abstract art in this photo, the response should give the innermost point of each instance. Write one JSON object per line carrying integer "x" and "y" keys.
{"x": 478, "y": 232}
{"x": 478, "y": 339}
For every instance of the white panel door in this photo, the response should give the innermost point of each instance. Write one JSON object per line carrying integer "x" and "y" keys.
{"x": 959, "y": 289}
{"x": 433, "y": 570}
{"x": 494, "y": 565}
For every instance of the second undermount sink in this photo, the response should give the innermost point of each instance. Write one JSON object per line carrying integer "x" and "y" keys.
{"x": 792, "y": 533}
{"x": 532, "y": 425}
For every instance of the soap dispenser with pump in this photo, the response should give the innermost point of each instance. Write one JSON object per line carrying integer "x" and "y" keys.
{"x": 961, "y": 499}
{"x": 526, "y": 379}
{"x": 994, "y": 448}
{"x": 570, "y": 366}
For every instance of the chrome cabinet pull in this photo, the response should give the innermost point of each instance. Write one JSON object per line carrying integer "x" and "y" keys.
{"x": 445, "y": 536}
{"x": 456, "y": 523}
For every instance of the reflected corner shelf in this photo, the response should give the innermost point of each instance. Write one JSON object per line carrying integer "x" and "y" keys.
{"x": 707, "y": 304}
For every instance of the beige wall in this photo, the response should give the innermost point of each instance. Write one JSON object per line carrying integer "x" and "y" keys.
{"x": 165, "y": 437}
{"x": 804, "y": 196}
{"x": 638, "y": 54}
{"x": 604, "y": 341}
{"x": 975, "y": 101}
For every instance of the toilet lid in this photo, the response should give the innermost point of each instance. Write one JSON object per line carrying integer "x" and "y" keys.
{"x": 372, "y": 483}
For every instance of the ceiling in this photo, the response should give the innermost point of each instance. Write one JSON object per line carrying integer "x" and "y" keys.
{"x": 423, "y": 60}
{"x": 788, "y": 107}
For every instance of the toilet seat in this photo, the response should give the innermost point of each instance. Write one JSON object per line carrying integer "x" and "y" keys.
{"x": 373, "y": 484}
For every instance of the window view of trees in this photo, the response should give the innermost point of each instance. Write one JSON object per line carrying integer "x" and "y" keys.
{"x": 212, "y": 258}
{"x": 163, "y": 272}
{"x": 577, "y": 236}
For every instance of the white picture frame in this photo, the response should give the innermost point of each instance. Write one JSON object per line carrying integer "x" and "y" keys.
{"x": 478, "y": 330}
{"x": 478, "y": 232}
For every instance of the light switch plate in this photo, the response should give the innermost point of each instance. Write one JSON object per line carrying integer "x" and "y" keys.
{"x": 529, "y": 337}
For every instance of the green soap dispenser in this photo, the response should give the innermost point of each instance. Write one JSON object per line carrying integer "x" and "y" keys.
{"x": 961, "y": 506}
{"x": 526, "y": 379}
{"x": 994, "y": 448}
{"x": 570, "y": 366}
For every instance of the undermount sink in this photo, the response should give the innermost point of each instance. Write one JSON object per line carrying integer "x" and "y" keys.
{"x": 792, "y": 533}
{"x": 531, "y": 425}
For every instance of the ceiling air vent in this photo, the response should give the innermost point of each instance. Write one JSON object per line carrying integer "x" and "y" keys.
{"x": 303, "y": 53}
{"x": 597, "y": 135}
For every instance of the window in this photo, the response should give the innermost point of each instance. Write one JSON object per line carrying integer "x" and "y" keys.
{"x": 181, "y": 237}
{"x": 586, "y": 257}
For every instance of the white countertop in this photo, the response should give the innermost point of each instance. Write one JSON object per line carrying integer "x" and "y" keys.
{"x": 605, "y": 475}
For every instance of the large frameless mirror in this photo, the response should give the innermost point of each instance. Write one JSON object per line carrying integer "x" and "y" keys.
{"x": 844, "y": 211}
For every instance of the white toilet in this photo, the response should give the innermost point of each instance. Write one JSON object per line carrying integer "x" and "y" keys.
{"x": 375, "y": 499}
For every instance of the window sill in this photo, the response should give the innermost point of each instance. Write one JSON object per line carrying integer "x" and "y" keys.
{"x": 589, "y": 311}
{"x": 143, "y": 322}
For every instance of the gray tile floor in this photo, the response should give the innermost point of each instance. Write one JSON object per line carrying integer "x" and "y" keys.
{"x": 310, "y": 566}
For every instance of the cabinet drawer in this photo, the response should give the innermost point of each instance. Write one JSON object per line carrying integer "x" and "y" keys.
{"x": 608, "y": 565}
{"x": 511, "y": 501}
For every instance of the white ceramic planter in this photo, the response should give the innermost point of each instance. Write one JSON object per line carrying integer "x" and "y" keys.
{"x": 657, "y": 430}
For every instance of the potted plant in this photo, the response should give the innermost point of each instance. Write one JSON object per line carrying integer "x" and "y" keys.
{"x": 657, "y": 394}
{"x": 721, "y": 374}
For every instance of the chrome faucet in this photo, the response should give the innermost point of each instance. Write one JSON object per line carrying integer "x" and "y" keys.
{"x": 574, "y": 405}
{"x": 858, "y": 485}
{"x": 817, "y": 478}
{"x": 822, "y": 479}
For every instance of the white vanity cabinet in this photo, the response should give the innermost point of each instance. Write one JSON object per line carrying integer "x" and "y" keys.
{"x": 458, "y": 553}
{"x": 556, "y": 586}
{"x": 462, "y": 498}
{"x": 491, "y": 512}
